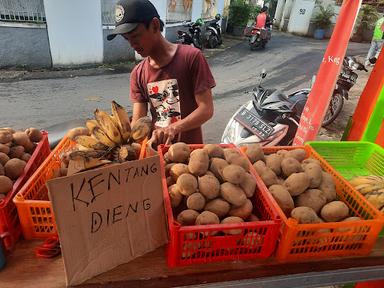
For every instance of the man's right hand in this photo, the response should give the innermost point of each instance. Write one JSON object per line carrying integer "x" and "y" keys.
{"x": 164, "y": 135}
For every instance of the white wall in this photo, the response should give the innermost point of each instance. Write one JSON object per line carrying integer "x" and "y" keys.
{"x": 300, "y": 17}
{"x": 197, "y": 9}
{"x": 75, "y": 31}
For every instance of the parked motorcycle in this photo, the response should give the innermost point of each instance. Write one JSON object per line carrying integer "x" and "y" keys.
{"x": 271, "y": 118}
{"x": 213, "y": 33}
{"x": 193, "y": 36}
{"x": 347, "y": 78}
{"x": 258, "y": 37}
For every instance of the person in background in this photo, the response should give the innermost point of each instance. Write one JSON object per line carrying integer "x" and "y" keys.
{"x": 262, "y": 19}
{"x": 377, "y": 41}
{"x": 173, "y": 81}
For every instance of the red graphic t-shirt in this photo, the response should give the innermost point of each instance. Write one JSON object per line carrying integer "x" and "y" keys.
{"x": 171, "y": 90}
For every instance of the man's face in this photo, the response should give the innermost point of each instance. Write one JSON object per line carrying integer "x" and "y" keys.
{"x": 141, "y": 39}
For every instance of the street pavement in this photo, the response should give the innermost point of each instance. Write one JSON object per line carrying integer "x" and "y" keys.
{"x": 290, "y": 62}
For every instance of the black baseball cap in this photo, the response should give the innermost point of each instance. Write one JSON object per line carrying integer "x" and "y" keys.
{"x": 130, "y": 13}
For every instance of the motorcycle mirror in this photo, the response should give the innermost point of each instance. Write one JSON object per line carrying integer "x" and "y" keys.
{"x": 263, "y": 74}
{"x": 372, "y": 60}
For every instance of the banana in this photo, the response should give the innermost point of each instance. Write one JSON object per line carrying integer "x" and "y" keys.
{"x": 141, "y": 129}
{"x": 102, "y": 137}
{"x": 90, "y": 142}
{"x": 121, "y": 118}
{"x": 91, "y": 124}
{"x": 108, "y": 126}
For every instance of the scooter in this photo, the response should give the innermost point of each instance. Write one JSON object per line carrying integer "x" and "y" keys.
{"x": 213, "y": 33}
{"x": 258, "y": 37}
{"x": 271, "y": 118}
{"x": 194, "y": 36}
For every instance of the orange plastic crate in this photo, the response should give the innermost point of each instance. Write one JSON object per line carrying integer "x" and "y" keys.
{"x": 33, "y": 206}
{"x": 9, "y": 221}
{"x": 195, "y": 245}
{"x": 305, "y": 241}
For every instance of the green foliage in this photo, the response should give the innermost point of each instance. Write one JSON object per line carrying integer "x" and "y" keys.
{"x": 367, "y": 17}
{"x": 239, "y": 12}
{"x": 255, "y": 10}
{"x": 323, "y": 18}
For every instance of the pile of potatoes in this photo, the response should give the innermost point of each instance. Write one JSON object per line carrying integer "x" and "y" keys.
{"x": 211, "y": 185}
{"x": 299, "y": 185}
{"x": 16, "y": 148}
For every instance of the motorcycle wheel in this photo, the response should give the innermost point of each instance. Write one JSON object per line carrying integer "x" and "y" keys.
{"x": 213, "y": 42}
{"x": 197, "y": 43}
{"x": 334, "y": 109}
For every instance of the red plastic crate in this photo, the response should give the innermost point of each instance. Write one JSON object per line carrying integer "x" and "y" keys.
{"x": 195, "y": 244}
{"x": 9, "y": 220}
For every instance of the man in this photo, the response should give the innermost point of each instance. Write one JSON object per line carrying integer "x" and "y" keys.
{"x": 377, "y": 41}
{"x": 173, "y": 80}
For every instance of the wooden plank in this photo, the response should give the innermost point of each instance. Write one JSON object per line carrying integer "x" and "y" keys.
{"x": 25, "y": 270}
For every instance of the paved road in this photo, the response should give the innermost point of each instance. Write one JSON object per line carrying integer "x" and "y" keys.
{"x": 289, "y": 60}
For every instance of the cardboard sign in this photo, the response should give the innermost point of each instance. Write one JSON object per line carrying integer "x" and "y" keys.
{"x": 108, "y": 216}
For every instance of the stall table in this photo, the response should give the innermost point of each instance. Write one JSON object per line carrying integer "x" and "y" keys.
{"x": 25, "y": 270}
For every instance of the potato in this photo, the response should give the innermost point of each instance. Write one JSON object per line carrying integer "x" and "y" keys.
{"x": 214, "y": 151}
{"x": 273, "y": 161}
{"x": 310, "y": 160}
{"x": 216, "y": 166}
{"x": 34, "y": 134}
{"x": 4, "y": 149}
{"x": 74, "y": 132}
{"x": 198, "y": 162}
{"x": 231, "y": 220}
{"x": 233, "y": 174}
{"x": 243, "y": 211}
{"x": 255, "y": 152}
{"x": 260, "y": 167}
{"x": 269, "y": 177}
{"x": 233, "y": 194}
{"x": 187, "y": 184}
{"x": 334, "y": 211}
{"x": 209, "y": 186}
{"x": 168, "y": 168}
{"x": 282, "y": 197}
{"x": 282, "y": 152}
{"x": 196, "y": 201}
{"x": 26, "y": 157}
{"x": 5, "y": 137}
{"x": 248, "y": 185}
{"x": 187, "y": 217}
{"x": 7, "y": 129}
{"x": 6, "y": 184}
{"x": 305, "y": 215}
{"x": 210, "y": 173}
{"x": 16, "y": 152}
{"x": 14, "y": 168}
{"x": 349, "y": 219}
{"x": 289, "y": 166}
{"x": 230, "y": 152}
{"x": 298, "y": 154}
{"x": 2, "y": 171}
{"x": 206, "y": 218}
{"x": 218, "y": 206}
{"x": 166, "y": 158}
{"x": 314, "y": 172}
{"x": 3, "y": 158}
{"x": 328, "y": 186}
{"x": 174, "y": 195}
{"x": 239, "y": 160}
{"x": 297, "y": 183}
{"x": 178, "y": 169}
{"x": 312, "y": 198}
{"x": 179, "y": 152}
{"x": 253, "y": 218}
{"x": 170, "y": 181}
{"x": 29, "y": 147}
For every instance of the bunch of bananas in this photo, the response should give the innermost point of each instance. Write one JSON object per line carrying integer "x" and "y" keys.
{"x": 110, "y": 137}
{"x": 372, "y": 187}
